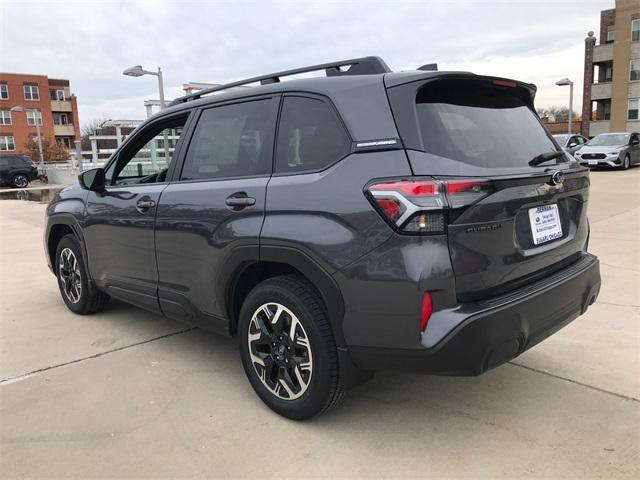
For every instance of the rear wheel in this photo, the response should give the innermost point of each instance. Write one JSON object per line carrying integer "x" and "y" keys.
{"x": 20, "y": 180}
{"x": 78, "y": 293}
{"x": 287, "y": 348}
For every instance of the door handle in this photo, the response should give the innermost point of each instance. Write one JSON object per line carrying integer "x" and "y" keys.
{"x": 143, "y": 205}
{"x": 239, "y": 200}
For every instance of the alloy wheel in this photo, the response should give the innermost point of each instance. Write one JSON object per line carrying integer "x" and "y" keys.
{"x": 20, "y": 181}
{"x": 70, "y": 277}
{"x": 280, "y": 351}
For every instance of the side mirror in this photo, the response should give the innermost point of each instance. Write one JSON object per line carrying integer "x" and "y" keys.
{"x": 635, "y": 141}
{"x": 92, "y": 180}
{"x": 572, "y": 144}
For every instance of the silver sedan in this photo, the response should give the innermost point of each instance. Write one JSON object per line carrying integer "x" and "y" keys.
{"x": 619, "y": 150}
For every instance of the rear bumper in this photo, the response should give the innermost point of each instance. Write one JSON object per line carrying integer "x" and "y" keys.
{"x": 489, "y": 333}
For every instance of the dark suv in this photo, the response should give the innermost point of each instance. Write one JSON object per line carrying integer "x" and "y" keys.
{"x": 338, "y": 226}
{"x": 17, "y": 170}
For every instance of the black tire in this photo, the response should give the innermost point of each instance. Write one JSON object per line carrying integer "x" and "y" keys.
{"x": 86, "y": 299}
{"x": 626, "y": 162}
{"x": 20, "y": 180}
{"x": 322, "y": 390}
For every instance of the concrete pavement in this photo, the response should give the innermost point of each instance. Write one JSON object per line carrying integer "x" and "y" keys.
{"x": 125, "y": 393}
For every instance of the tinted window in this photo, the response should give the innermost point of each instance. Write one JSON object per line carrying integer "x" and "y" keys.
{"x": 231, "y": 141}
{"x": 479, "y": 124}
{"x": 310, "y": 136}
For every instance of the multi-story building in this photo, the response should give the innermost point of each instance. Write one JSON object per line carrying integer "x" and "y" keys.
{"x": 611, "y": 96}
{"x": 44, "y": 100}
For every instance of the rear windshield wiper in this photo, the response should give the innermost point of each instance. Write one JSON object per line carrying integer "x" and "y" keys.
{"x": 545, "y": 157}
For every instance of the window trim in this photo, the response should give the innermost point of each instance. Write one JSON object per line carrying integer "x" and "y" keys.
{"x": 2, "y": 117}
{"x": 7, "y": 143}
{"x": 275, "y": 97}
{"x": 613, "y": 34}
{"x": 341, "y": 121}
{"x": 37, "y": 115}
{"x": 178, "y": 151}
{"x": 6, "y": 88}
{"x": 637, "y": 100}
{"x": 632, "y": 23}
{"x": 631, "y": 61}
{"x": 24, "y": 92}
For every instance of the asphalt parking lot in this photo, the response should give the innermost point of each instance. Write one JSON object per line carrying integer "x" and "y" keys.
{"x": 125, "y": 393}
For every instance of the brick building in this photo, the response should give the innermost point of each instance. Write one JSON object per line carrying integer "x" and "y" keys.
{"x": 57, "y": 111}
{"x": 612, "y": 72}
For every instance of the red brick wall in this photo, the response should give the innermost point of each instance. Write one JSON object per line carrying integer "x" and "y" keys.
{"x": 607, "y": 20}
{"x": 589, "y": 43}
{"x": 19, "y": 128}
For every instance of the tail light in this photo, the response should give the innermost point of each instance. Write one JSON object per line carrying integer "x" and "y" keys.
{"x": 419, "y": 206}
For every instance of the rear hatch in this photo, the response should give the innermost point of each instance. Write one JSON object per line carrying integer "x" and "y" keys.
{"x": 508, "y": 223}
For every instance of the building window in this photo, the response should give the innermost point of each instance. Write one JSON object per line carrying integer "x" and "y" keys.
{"x": 5, "y": 117}
{"x": 31, "y": 92}
{"x": 32, "y": 116}
{"x": 611, "y": 36}
{"x": 57, "y": 95}
{"x": 4, "y": 91}
{"x": 632, "y": 113}
{"x": 7, "y": 143}
{"x": 65, "y": 141}
{"x": 635, "y": 30}
{"x": 60, "y": 119}
{"x": 634, "y": 70}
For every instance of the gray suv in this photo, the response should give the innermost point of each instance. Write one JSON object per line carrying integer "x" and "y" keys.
{"x": 338, "y": 225}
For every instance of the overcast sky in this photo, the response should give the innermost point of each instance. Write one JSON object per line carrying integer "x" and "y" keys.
{"x": 91, "y": 42}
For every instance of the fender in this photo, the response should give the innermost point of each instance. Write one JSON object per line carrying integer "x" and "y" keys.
{"x": 317, "y": 275}
{"x": 70, "y": 220}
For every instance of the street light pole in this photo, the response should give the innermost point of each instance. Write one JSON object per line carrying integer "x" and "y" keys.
{"x": 20, "y": 108}
{"x": 161, "y": 88}
{"x": 563, "y": 82}
{"x": 138, "y": 71}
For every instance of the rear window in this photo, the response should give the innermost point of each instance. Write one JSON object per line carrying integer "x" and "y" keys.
{"x": 479, "y": 124}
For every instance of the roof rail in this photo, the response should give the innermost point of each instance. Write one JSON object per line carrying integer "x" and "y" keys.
{"x": 357, "y": 66}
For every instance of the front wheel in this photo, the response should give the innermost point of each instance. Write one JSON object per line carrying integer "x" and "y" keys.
{"x": 287, "y": 348}
{"x": 626, "y": 162}
{"x": 79, "y": 294}
{"x": 20, "y": 180}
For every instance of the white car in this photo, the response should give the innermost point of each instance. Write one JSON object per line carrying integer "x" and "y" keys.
{"x": 619, "y": 150}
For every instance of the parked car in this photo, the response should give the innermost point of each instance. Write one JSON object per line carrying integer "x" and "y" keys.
{"x": 618, "y": 149}
{"x": 17, "y": 170}
{"x": 338, "y": 226}
{"x": 570, "y": 143}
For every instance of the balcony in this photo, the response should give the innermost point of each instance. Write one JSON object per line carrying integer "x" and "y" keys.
{"x": 601, "y": 91}
{"x": 63, "y": 130}
{"x": 60, "y": 105}
{"x": 603, "y": 53}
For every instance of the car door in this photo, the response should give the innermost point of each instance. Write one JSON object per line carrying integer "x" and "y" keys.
{"x": 634, "y": 148}
{"x": 210, "y": 216}
{"x": 119, "y": 222}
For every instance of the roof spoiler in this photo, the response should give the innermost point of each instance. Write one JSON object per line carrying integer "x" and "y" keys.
{"x": 356, "y": 66}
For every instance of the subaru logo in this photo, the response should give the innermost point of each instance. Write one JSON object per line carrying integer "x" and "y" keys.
{"x": 557, "y": 178}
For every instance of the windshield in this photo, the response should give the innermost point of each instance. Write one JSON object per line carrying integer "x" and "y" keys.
{"x": 609, "y": 140}
{"x": 561, "y": 139}
{"x": 480, "y": 124}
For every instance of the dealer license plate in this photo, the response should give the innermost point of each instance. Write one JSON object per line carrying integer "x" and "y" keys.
{"x": 545, "y": 223}
{"x": 593, "y": 162}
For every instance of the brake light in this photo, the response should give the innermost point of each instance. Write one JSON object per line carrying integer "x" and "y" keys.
{"x": 425, "y": 311}
{"x": 505, "y": 83}
{"x": 418, "y": 206}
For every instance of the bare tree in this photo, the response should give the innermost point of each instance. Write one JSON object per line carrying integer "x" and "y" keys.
{"x": 88, "y": 129}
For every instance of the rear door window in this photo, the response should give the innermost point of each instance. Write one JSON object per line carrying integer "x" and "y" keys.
{"x": 232, "y": 141}
{"x": 310, "y": 136}
{"x": 479, "y": 124}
